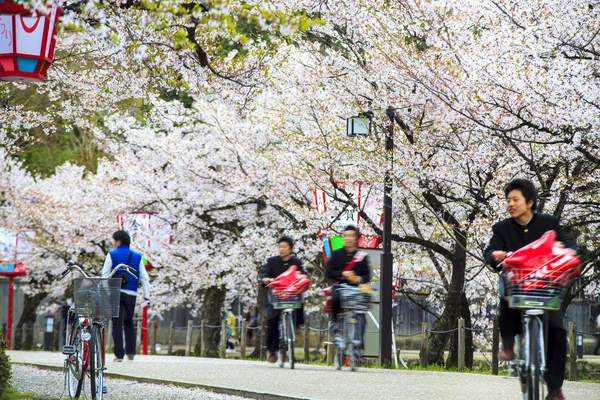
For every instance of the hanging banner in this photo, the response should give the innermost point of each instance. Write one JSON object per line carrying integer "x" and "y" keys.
{"x": 16, "y": 250}
{"x": 368, "y": 198}
{"x": 148, "y": 232}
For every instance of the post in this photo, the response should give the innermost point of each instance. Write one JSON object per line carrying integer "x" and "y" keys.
{"x": 35, "y": 336}
{"x": 10, "y": 313}
{"x": 171, "y": 337}
{"x": 188, "y": 339}
{"x": 203, "y": 346}
{"x": 223, "y": 343}
{"x": 138, "y": 339}
{"x": 23, "y": 336}
{"x": 495, "y": 347}
{"x": 153, "y": 330}
{"x": 306, "y": 341}
{"x": 461, "y": 344}
{"x": 329, "y": 346}
{"x": 243, "y": 339}
{"x": 424, "y": 353}
{"x": 387, "y": 258}
{"x": 145, "y": 330}
{"x": 573, "y": 375}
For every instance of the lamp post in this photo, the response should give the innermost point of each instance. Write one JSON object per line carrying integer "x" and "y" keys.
{"x": 361, "y": 125}
{"x": 387, "y": 258}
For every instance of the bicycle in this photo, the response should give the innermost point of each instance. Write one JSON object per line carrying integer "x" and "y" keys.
{"x": 351, "y": 319}
{"x": 287, "y": 335}
{"x": 535, "y": 289}
{"x": 95, "y": 299}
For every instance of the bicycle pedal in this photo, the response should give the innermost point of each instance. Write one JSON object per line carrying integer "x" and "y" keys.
{"x": 69, "y": 350}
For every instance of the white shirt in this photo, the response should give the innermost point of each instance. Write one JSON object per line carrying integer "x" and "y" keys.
{"x": 144, "y": 278}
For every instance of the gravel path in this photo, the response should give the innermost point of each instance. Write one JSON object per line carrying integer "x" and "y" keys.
{"x": 51, "y": 385}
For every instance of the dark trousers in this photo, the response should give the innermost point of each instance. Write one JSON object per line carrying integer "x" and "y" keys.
{"x": 124, "y": 323}
{"x": 511, "y": 324}
{"x": 597, "y": 337}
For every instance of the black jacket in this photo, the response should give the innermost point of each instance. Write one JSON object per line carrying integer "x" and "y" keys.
{"x": 509, "y": 235}
{"x": 275, "y": 266}
{"x": 340, "y": 258}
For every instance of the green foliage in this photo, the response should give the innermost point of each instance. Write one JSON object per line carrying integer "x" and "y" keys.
{"x": 5, "y": 372}
{"x": 14, "y": 394}
{"x": 419, "y": 42}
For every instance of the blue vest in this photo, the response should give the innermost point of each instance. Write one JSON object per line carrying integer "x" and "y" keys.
{"x": 120, "y": 256}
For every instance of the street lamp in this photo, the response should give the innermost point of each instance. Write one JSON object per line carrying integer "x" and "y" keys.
{"x": 361, "y": 125}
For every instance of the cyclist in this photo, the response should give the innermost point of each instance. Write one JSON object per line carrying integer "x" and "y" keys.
{"x": 274, "y": 267}
{"x": 359, "y": 273}
{"x": 523, "y": 227}
{"x": 122, "y": 254}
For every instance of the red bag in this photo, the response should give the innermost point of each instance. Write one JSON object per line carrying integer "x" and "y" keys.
{"x": 290, "y": 283}
{"x": 542, "y": 264}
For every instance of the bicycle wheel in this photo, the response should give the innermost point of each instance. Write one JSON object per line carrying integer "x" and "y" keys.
{"x": 339, "y": 347}
{"x": 533, "y": 369}
{"x": 353, "y": 357}
{"x": 96, "y": 364}
{"x": 282, "y": 344}
{"x": 74, "y": 363}
{"x": 290, "y": 339}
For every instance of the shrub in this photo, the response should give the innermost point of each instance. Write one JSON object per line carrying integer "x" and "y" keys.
{"x": 5, "y": 371}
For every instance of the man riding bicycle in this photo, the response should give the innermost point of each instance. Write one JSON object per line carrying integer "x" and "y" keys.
{"x": 359, "y": 273}
{"x": 523, "y": 227}
{"x": 274, "y": 267}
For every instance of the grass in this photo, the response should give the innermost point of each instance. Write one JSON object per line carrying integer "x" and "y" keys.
{"x": 14, "y": 394}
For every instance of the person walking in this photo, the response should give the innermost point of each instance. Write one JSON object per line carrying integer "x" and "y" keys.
{"x": 122, "y": 254}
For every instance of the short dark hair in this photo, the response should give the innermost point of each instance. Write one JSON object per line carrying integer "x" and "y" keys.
{"x": 527, "y": 189}
{"x": 286, "y": 239}
{"x": 122, "y": 237}
{"x": 352, "y": 228}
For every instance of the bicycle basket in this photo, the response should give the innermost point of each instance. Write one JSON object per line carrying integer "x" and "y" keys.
{"x": 546, "y": 297}
{"x": 352, "y": 298}
{"x": 289, "y": 302}
{"x": 97, "y": 297}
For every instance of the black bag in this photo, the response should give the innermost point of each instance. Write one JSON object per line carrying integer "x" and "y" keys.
{"x": 123, "y": 274}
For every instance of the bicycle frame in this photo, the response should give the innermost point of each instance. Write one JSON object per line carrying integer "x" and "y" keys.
{"x": 287, "y": 337}
{"x": 348, "y": 342}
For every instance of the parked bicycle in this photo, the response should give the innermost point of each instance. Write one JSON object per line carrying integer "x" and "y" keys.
{"x": 95, "y": 299}
{"x": 351, "y": 324}
{"x": 287, "y": 335}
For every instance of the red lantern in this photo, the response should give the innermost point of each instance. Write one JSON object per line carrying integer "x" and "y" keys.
{"x": 26, "y": 42}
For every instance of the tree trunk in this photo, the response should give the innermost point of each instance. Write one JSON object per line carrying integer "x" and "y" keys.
{"x": 211, "y": 312}
{"x": 30, "y": 305}
{"x": 261, "y": 311}
{"x": 455, "y": 306}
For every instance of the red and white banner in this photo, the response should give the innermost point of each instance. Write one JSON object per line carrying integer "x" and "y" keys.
{"x": 368, "y": 198}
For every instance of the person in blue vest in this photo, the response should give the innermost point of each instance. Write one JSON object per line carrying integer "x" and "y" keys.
{"x": 122, "y": 254}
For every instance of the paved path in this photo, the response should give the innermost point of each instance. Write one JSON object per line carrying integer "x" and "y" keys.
{"x": 262, "y": 380}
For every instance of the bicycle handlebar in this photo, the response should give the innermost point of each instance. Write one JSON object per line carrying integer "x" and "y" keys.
{"x": 71, "y": 266}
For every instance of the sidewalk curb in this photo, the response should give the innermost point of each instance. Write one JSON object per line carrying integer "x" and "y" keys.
{"x": 186, "y": 385}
